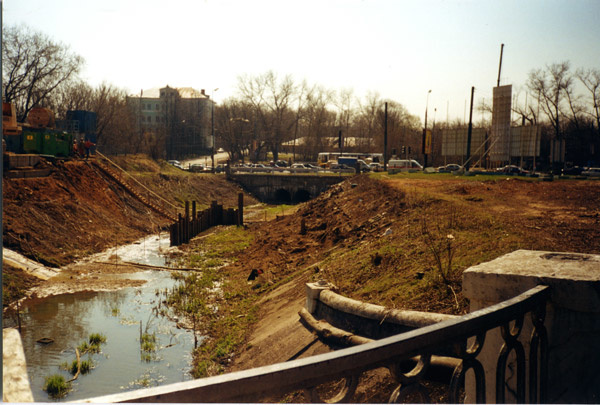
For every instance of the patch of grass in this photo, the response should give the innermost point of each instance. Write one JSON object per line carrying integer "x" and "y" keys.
{"x": 97, "y": 339}
{"x": 83, "y": 347}
{"x": 56, "y": 386}
{"x": 148, "y": 342}
{"x": 93, "y": 344}
{"x": 228, "y": 333}
{"x": 86, "y": 366}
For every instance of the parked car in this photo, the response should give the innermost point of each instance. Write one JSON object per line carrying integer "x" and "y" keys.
{"x": 591, "y": 172}
{"x": 511, "y": 169}
{"x": 341, "y": 166}
{"x": 449, "y": 168}
{"x": 175, "y": 163}
{"x": 197, "y": 167}
{"x": 573, "y": 170}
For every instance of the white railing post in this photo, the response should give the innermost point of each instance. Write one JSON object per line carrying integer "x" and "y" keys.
{"x": 313, "y": 290}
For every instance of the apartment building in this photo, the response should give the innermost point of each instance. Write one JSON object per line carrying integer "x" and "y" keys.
{"x": 179, "y": 118}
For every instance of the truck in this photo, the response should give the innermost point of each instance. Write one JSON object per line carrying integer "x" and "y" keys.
{"x": 358, "y": 164}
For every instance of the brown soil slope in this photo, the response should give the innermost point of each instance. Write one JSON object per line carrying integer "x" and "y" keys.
{"x": 369, "y": 237}
{"x": 380, "y": 232}
{"x": 73, "y": 212}
{"x": 78, "y": 210}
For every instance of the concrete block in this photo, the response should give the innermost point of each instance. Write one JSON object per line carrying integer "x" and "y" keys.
{"x": 313, "y": 290}
{"x": 572, "y": 318}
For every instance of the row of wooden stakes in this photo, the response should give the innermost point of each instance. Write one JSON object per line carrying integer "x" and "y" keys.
{"x": 188, "y": 226}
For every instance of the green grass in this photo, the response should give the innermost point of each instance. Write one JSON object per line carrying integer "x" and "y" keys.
{"x": 97, "y": 339}
{"x": 148, "y": 342}
{"x": 194, "y": 298}
{"x": 86, "y": 366}
{"x": 93, "y": 344}
{"x": 56, "y": 386}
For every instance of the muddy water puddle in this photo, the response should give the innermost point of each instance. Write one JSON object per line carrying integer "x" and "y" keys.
{"x": 122, "y": 365}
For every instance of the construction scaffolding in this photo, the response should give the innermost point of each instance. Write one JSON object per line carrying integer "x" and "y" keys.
{"x": 454, "y": 142}
{"x": 525, "y": 141}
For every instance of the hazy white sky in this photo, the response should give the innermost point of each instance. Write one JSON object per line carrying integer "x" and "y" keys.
{"x": 399, "y": 49}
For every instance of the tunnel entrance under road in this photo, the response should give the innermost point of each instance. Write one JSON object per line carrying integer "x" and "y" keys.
{"x": 301, "y": 196}
{"x": 282, "y": 196}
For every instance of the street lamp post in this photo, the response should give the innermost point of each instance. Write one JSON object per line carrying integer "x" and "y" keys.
{"x": 212, "y": 121}
{"x": 425, "y": 132}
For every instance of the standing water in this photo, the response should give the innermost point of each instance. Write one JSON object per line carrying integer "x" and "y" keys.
{"x": 122, "y": 365}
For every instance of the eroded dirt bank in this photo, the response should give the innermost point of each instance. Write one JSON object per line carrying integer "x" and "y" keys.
{"x": 373, "y": 240}
{"x": 78, "y": 211}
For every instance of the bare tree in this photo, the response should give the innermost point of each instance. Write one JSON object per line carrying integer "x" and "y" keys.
{"x": 34, "y": 67}
{"x": 317, "y": 122}
{"x": 272, "y": 101}
{"x": 550, "y": 86}
{"x": 591, "y": 80}
{"x": 233, "y": 122}
{"x": 574, "y": 102}
{"x": 367, "y": 122}
{"x": 72, "y": 95}
{"x": 344, "y": 102}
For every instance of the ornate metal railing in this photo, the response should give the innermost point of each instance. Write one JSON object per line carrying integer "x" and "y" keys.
{"x": 465, "y": 334}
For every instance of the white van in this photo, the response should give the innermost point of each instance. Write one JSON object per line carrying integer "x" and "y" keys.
{"x": 403, "y": 165}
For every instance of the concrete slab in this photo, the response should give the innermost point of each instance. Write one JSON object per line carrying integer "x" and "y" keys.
{"x": 15, "y": 383}
{"x": 574, "y": 278}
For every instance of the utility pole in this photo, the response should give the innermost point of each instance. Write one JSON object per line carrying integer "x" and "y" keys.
{"x": 469, "y": 131}
{"x": 385, "y": 138}
{"x": 425, "y": 133}
{"x": 212, "y": 123}
{"x": 500, "y": 65}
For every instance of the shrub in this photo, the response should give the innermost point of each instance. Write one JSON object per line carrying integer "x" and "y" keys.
{"x": 56, "y": 386}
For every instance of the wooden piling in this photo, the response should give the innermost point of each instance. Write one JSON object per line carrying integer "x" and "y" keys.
{"x": 186, "y": 226}
{"x": 240, "y": 210}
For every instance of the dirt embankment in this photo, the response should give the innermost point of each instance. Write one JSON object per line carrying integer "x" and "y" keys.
{"x": 374, "y": 240}
{"x": 78, "y": 210}
{"x": 72, "y": 213}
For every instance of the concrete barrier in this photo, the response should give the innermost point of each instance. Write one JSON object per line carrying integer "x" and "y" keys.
{"x": 369, "y": 320}
{"x": 572, "y": 319}
{"x": 15, "y": 383}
